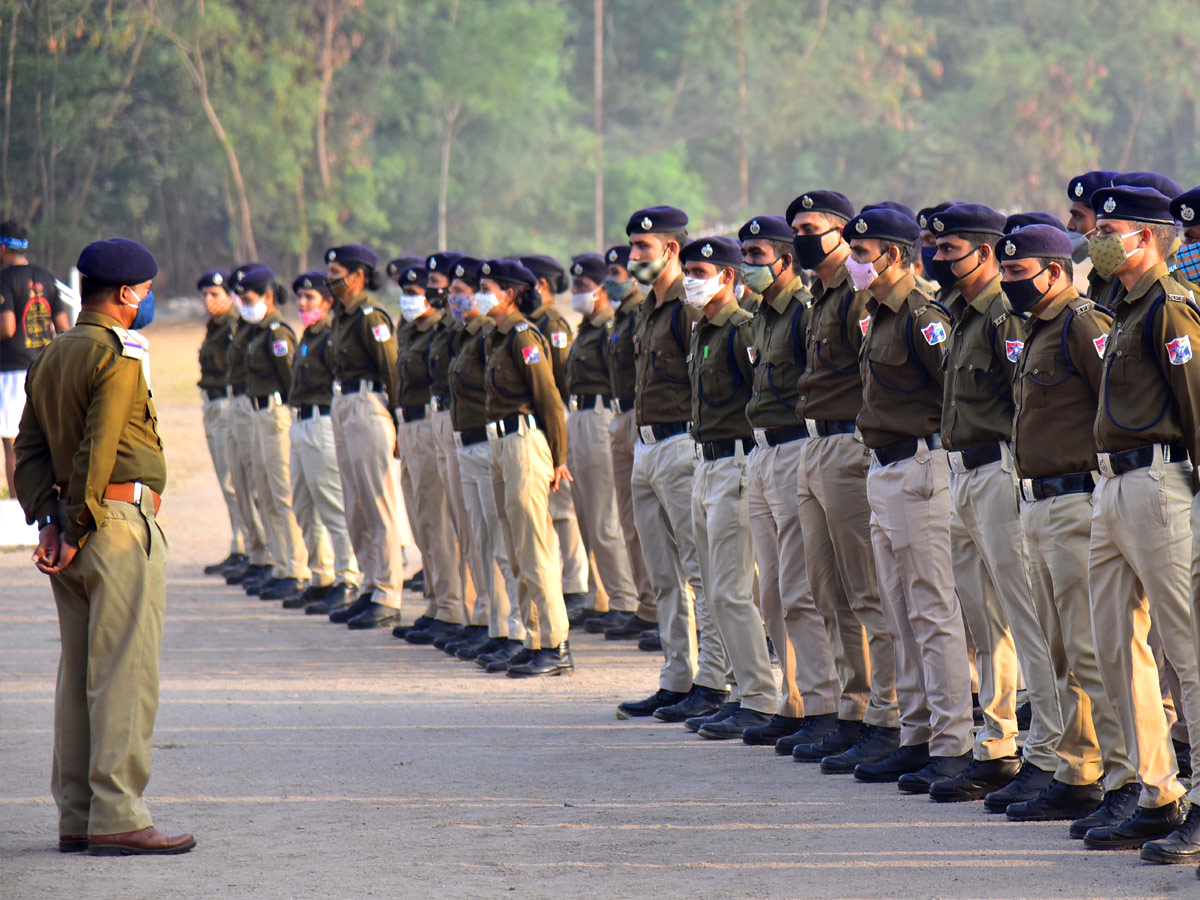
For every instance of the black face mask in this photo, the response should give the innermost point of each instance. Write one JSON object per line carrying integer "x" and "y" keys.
{"x": 436, "y": 297}
{"x": 809, "y": 253}
{"x": 1022, "y": 295}
{"x": 944, "y": 274}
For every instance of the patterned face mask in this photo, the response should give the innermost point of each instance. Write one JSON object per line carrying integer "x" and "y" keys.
{"x": 1187, "y": 262}
{"x": 1108, "y": 253}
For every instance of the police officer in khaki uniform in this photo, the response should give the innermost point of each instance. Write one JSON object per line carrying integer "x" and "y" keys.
{"x": 1056, "y": 389}
{"x": 528, "y": 438}
{"x": 626, "y": 299}
{"x": 721, "y": 382}
{"x": 364, "y": 432}
{"x": 1146, "y": 429}
{"x": 908, "y": 489}
{"x": 88, "y": 455}
{"x": 316, "y": 485}
{"x": 214, "y": 389}
{"x": 589, "y": 441}
{"x": 1081, "y": 222}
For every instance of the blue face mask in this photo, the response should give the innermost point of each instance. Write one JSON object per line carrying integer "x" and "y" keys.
{"x": 145, "y": 312}
{"x": 927, "y": 255}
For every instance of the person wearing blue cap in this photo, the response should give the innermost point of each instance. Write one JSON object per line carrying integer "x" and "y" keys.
{"x": 214, "y": 391}
{"x": 1141, "y": 540}
{"x": 1081, "y": 222}
{"x": 1056, "y": 388}
{"x": 852, "y": 718}
{"x": 91, "y": 472}
{"x": 1187, "y": 259}
{"x": 986, "y": 545}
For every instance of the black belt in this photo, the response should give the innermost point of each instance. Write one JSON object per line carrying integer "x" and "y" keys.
{"x": 1138, "y": 458}
{"x": 309, "y": 410}
{"x": 590, "y": 401}
{"x": 264, "y": 402}
{"x": 660, "y": 431}
{"x": 966, "y": 460}
{"x": 469, "y": 436}
{"x": 1056, "y": 485}
{"x": 512, "y": 424}
{"x": 713, "y": 450}
{"x": 353, "y": 387}
{"x": 411, "y": 413}
{"x": 906, "y": 448}
{"x": 216, "y": 393}
{"x": 439, "y": 404}
{"x": 625, "y": 404}
{"x": 238, "y": 389}
{"x": 822, "y": 428}
{"x": 784, "y": 434}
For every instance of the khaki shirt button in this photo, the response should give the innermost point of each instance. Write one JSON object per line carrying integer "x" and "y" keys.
{"x": 808, "y": 371}
{"x": 805, "y": 397}
{"x": 1035, "y": 371}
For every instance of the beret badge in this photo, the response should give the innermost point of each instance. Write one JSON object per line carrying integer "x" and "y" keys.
{"x": 218, "y": 280}
{"x": 938, "y": 225}
{"x": 612, "y": 256}
{"x": 577, "y": 269}
{"x": 411, "y": 276}
{"x": 331, "y": 256}
{"x": 433, "y": 263}
{"x": 459, "y": 271}
{"x": 861, "y": 226}
{"x": 306, "y": 283}
{"x": 1186, "y": 212}
{"x": 1109, "y": 205}
{"x": 1079, "y": 189}
{"x": 923, "y": 222}
{"x": 646, "y": 223}
{"x": 706, "y": 251}
{"x": 755, "y": 228}
{"x": 487, "y": 270}
{"x": 1010, "y": 248}
{"x": 806, "y": 202}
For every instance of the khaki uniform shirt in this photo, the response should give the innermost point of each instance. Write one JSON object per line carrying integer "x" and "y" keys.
{"x": 89, "y": 421}
{"x": 830, "y": 387}
{"x": 721, "y": 376}
{"x": 550, "y": 322}
{"x": 214, "y": 351}
{"x": 750, "y": 302}
{"x": 619, "y": 355}
{"x": 1150, "y": 391}
{"x": 981, "y": 359}
{"x": 364, "y": 344}
{"x": 1056, "y": 393}
{"x": 1101, "y": 290}
{"x": 445, "y": 347}
{"x": 520, "y": 379}
{"x": 269, "y": 357}
{"x": 242, "y": 336}
{"x": 414, "y": 340}
{"x": 468, "y": 396}
{"x": 587, "y": 368}
{"x": 661, "y": 338}
{"x": 312, "y": 379}
{"x": 777, "y": 354}
{"x": 901, "y": 363}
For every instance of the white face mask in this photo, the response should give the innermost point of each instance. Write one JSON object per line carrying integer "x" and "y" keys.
{"x": 412, "y": 305}
{"x": 584, "y": 303}
{"x": 253, "y": 314}
{"x": 739, "y": 291}
{"x": 485, "y": 302}
{"x": 699, "y": 291}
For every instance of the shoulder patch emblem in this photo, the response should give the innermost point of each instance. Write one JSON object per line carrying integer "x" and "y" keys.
{"x": 1100, "y": 343}
{"x": 1179, "y": 351}
{"x": 531, "y": 355}
{"x": 381, "y": 332}
{"x": 279, "y": 348}
{"x": 934, "y": 333}
{"x": 752, "y": 352}
{"x": 864, "y": 324}
{"x": 558, "y": 339}
{"x": 1012, "y": 349}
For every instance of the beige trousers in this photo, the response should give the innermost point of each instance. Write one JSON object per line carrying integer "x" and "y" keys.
{"x": 240, "y": 419}
{"x": 110, "y": 603}
{"x": 474, "y": 609}
{"x": 318, "y": 503}
{"x": 504, "y": 616}
{"x": 910, "y": 515}
{"x": 623, "y": 433}
{"x": 271, "y": 426}
{"x": 575, "y": 571}
{"x": 216, "y": 432}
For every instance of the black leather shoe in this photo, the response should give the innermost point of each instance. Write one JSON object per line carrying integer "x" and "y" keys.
{"x": 649, "y": 641}
{"x": 937, "y": 772}
{"x": 547, "y": 661}
{"x": 767, "y": 735}
{"x": 498, "y": 661}
{"x": 811, "y": 730}
{"x": 899, "y": 762}
{"x": 976, "y": 710}
{"x": 342, "y": 616}
{"x": 255, "y": 586}
{"x": 233, "y": 559}
{"x": 1116, "y": 807}
{"x": 874, "y": 745}
{"x": 284, "y": 587}
{"x": 473, "y": 650}
{"x": 467, "y": 636}
{"x": 577, "y": 608}
{"x": 238, "y": 574}
{"x": 400, "y": 631}
{"x": 632, "y": 629}
{"x": 734, "y": 726}
{"x": 975, "y": 781}
{"x": 600, "y": 624}
{"x": 1144, "y": 825}
{"x": 1058, "y": 802}
{"x": 700, "y": 701}
{"x": 522, "y": 656}
{"x": 1183, "y": 758}
{"x": 839, "y": 740}
{"x": 416, "y": 583}
{"x": 1028, "y": 784}
{"x": 693, "y": 724}
{"x": 431, "y": 632}
{"x": 373, "y": 616}
{"x": 647, "y": 707}
{"x": 336, "y": 597}
{"x": 460, "y": 633}
{"x": 1024, "y": 715}
{"x": 1180, "y": 846}
{"x": 311, "y": 594}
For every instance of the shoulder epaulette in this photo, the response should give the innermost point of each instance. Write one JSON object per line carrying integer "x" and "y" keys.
{"x": 919, "y": 311}
{"x": 367, "y": 310}
{"x": 999, "y": 320}
{"x": 1177, "y": 298}
{"x": 131, "y": 346}
{"x": 521, "y": 326}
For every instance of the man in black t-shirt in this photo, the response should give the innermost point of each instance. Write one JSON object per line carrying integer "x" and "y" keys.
{"x": 31, "y": 313}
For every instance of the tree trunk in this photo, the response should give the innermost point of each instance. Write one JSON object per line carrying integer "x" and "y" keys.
{"x": 323, "y": 95}
{"x": 598, "y": 119}
{"x": 743, "y": 148}
{"x": 450, "y": 120}
{"x": 8, "y": 87}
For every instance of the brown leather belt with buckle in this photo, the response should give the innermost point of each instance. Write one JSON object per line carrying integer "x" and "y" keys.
{"x": 125, "y": 491}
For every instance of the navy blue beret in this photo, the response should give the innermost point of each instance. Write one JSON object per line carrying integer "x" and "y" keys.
{"x": 893, "y": 205}
{"x": 443, "y": 262}
{"x": 414, "y": 276}
{"x": 352, "y": 253}
{"x": 311, "y": 281}
{"x": 214, "y": 278}
{"x": 766, "y": 228}
{"x": 254, "y": 277}
{"x": 973, "y": 217}
{"x": 1133, "y": 204}
{"x": 881, "y": 224}
{"x": 1018, "y": 221}
{"x": 400, "y": 263}
{"x": 928, "y": 212}
{"x": 117, "y": 261}
{"x": 465, "y": 269}
{"x": 657, "y": 220}
{"x": 1081, "y": 187}
{"x": 719, "y": 251}
{"x": 589, "y": 265}
{"x": 505, "y": 271}
{"x": 831, "y": 202}
{"x": 618, "y": 256}
{"x": 1184, "y": 207}
{"x": 1037, "y": 241}
{"x": 1161, "y": 183}
{"x": 546, "y": 267}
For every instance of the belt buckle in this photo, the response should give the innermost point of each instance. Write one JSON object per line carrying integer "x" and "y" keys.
{"x": 647, "y": 434}
{"x": 1027, "y": 490}
{"x": 760, "y": 438}
{"x": 811, "y": 425}
{"x": 1106, "y": 466}
{"x": 493, "y": 431}
{"x": 573, "y": 404}
{"x": 956, "y": 462}
{"x": 458, "y": 440}
{"x": 277, "y": 398}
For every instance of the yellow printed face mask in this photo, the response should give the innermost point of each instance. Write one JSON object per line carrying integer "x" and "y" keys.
{"x": 1107, "y": 252}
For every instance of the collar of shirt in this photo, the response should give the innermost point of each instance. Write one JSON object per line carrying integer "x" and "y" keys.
{"x": 793, "y": 287}
{"x": 321, "y": 324}
{"x": 674, "y": 292}
{"x": 601, "y": 317}
{"x": 352, "y": 306}
{"x": 273, "y": 316}
{"x": 475, "y": 325}
{"x": 724, "y": 313}
{"x": 899, "y": 293}
{"x": 505, "y": 325}
{"x": 91, "y": 317}
{"x": 821, "y": 289}
{"x": 225, "y": 319}
{"x": 1053, "y": 308}
{"x": 986, "y": 297}
{"x": 427, "y": 321}
{"x": 629, "y": 305}
{"x": 1146, "y": 282}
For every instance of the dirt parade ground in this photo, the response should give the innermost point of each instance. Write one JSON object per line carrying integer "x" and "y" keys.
{"x": 312, "y": 761}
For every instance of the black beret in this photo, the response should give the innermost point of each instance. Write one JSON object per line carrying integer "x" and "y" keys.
{"x": 1081, "y": 187}
{"x": 719, "y": 251}
{"x": 413, "y": 276}
{"x": 311, "y": 281}
{"x": 400, "y": 263}
{"x": 443, "y": 262}
{"x": 928, "y": 212}
{"x": 546, "y": 267}
{"x": 352, "y": 253}
{"x": 821, "y": 202}
{"x": 967, "y": 217}
{"x": 589, "y": 265}
{"x": 657, "y": 220}
{"x": 1161, "y": 183}
{"x": 117, "y": 261}
{"x": 766, "y": 228}
{"x": 465, "y": 270}
{"x": 1184, "y": 207}
{"x": 1133, "y": 204}
{"x": 882, "y": 224}
{"x": 1023, "y": 220}
{"x": 254, "y": 277}
{"x": 618, "y": 256}
{"x": 1037, "y": 241}
{"x": 895, "y": 206}
{"x": 214, "y": 278}
{"x": 505, "y": 271}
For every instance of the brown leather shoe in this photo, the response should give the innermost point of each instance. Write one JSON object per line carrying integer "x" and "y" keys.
{"x": 72, "y": 843}
{"x": 135, "y": 843}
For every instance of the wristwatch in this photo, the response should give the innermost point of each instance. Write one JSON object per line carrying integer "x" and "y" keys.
{"x": 47, "y": 521}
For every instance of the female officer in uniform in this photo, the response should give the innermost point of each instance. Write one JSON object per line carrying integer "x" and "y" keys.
{"x": 528, "y": 440}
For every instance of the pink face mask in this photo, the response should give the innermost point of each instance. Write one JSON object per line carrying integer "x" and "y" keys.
{"x": 311, "y": 316}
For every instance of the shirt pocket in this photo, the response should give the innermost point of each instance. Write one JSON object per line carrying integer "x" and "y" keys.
{"x": 888, "y": 362}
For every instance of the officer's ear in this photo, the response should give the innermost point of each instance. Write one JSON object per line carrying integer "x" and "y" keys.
{"x": 1055, "y": 271}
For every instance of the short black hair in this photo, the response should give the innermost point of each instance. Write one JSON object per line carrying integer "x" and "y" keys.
{"x": 1066, "y": 265}
{"x": 680, "y": 237}
{"x": 1164, "y": 236}
{"x": 974, "y": 238}
{"x": 92, "y": 293}
{"x": 11, "y": 228}
{"x": 907, "y": 257}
